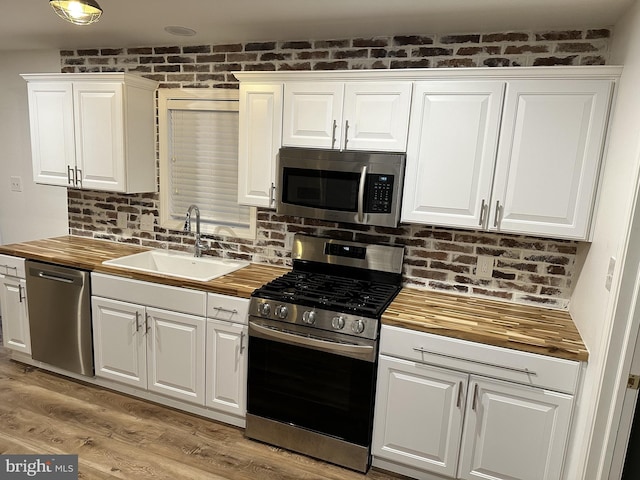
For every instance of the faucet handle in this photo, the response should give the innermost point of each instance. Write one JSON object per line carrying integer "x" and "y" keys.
{"x": 187, "y": 223}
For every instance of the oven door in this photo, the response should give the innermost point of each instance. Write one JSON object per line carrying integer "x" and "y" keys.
{"x": 316, "y": 384}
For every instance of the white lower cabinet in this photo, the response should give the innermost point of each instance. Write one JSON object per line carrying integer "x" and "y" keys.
{"x": 155, "y": 349}
{"x": 419, "y": 413}
{"x": 13, "y": 305}
{"x": 184, "y": 344}
{"x": 514, "y": 431}
{"x": 227, "y": 354}
{"x": 445, "y": 410}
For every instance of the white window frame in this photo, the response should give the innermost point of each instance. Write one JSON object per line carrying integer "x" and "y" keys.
{"x": 193, "y": 99}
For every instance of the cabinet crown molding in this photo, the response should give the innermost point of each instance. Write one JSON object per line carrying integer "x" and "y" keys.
{"x": 127, "y": 78}
{"x": 412, "y": 74}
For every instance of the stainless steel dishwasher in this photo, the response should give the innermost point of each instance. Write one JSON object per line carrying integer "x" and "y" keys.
{"x": 59, "y": 303}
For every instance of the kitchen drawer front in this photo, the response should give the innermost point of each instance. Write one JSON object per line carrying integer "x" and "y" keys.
{"x": 487, "y": 360}
{"x": 12, "y": 266}
{"x": 230, "y": 309}
{"x": 149, "y": 294}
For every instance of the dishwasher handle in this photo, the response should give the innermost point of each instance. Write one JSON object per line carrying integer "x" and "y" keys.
{"x": 56, "y": 278}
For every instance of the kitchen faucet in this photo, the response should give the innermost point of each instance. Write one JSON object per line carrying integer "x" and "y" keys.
{"x": 199, "y": 246}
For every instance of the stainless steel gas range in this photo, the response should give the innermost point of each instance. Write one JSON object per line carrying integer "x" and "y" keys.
{"x": 313, "y": 347}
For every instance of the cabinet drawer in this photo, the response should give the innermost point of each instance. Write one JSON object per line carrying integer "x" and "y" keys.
{"x": 497, "y": 362}
{"x": 12, "y": 266}
{"x": 230, "y": 309}
{"x": 149, "y": 294}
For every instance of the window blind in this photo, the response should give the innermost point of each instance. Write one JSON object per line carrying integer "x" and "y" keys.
{"x": 203, "y": 166}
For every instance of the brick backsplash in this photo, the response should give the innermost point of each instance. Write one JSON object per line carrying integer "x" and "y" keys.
{"x": 527, "y": 269}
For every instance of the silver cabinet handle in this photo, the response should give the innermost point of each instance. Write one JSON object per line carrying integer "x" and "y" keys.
{"x": 138, "y": 325}
{"x": 333, "y": 134}
{"x": 526, "y": 371}
{"x": 226, "y": 310}
{"x": 78, "y": 177}
{"x": 459, "y": 402}
{"x": 496, "y": 219}
{"x": 7, "y": 267}
{"x": 70, "y": 176}
{"x": 475, "y": 397}
{"x": 346, "y": 133}
{"x": 242, "y": 347}
{"x": 363, "y": 180}
{"x": 483, "y": 207}
{"x": 272, "y": 194}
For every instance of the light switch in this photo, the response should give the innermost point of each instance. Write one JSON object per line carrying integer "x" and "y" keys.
{"x": 609, "y": 278}
{"x": 122, "y": 220}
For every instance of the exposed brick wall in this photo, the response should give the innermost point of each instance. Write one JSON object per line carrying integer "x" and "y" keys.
{"x": 528, "y": 270}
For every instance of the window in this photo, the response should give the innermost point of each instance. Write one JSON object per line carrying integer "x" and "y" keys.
{"x": 198, "y": 148}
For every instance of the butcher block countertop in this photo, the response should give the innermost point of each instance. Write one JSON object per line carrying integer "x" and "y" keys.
{"x": 89, "y": 253}
{"x": 525, "y": 328}
{"x": 521, "y": 327}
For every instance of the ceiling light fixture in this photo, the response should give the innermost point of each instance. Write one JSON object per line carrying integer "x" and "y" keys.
{"x": 78, "y": 12}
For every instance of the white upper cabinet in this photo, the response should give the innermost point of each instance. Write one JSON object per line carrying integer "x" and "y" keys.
{"x": 453, "y": 140}
{"x": 93, "y": 131}
{"x": 347, "y": 116}
{"x": 260, "y": 138}
{"x": 552, "y": 140}
{"x": 514, "y": 150}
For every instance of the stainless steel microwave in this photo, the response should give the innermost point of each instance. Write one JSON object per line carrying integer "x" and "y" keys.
{"x": 352, "y": 187}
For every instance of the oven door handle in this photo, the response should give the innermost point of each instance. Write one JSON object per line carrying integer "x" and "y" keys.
{"x": 365, "y": 352}
{"x": 363, "y": 180}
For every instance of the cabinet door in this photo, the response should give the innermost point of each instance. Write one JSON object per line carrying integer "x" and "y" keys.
{"x": 15, "y": 320}
{"x": 451, "y": 152}
{"x": 176, "y": 354}
{"x": 259, "y": 141}
{"x": 119, "y": 341}
{"x": 514, "y": 432}
{"x": 551, "y": 145}
{"x": 312, "y": 115}
{"x": 376, "y": 116}
{"x": 52, "y": 132}
{"x": 226, "y": 366}
{"x": 418, "y": 415}
{"x": 99, "y": 127}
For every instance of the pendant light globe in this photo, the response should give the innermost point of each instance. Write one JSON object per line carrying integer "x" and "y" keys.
{"x": 78, "y": 12}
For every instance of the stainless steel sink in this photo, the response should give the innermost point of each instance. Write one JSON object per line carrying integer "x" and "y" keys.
{"x": 178, "y": 264}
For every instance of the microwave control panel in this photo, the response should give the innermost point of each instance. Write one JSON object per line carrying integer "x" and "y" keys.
{"x": 379, "y": 193}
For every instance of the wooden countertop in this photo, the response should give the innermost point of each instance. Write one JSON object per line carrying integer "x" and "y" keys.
{"x": 88, "y": 254}
{"x": 521, "y": 327}
{"x": 526, "y": 328}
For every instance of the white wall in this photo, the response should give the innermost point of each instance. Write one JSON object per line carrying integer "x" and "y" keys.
{"x": 593, "y": 307}
{"x": 38, "y": 211}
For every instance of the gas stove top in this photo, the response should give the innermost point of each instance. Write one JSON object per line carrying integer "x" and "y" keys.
{"x": 337, "y": 286}
{"x": 341, "y": 294}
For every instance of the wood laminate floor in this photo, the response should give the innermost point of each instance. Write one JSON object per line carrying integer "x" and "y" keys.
{"x": 120, "y": 437}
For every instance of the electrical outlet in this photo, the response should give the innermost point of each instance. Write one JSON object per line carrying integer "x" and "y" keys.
{"x": 16, "y": 184}
{"x": 122, "y": 220}
{"x": 146, "y": 222}
{"x": 484, "y": 266}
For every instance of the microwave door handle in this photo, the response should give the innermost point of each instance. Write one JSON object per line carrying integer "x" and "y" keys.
{"x": 363, "y": 178}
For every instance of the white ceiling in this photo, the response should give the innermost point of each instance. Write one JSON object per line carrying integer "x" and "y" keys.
{"x": 32, "y": 24}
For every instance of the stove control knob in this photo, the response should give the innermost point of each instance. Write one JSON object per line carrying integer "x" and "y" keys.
{"x": 264, "y": 309}
{"x": 309, "y": 317}
{"x": 337, "y": 322}
{"x": 357, "y": 326}
{"x": 282, "y": 311}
